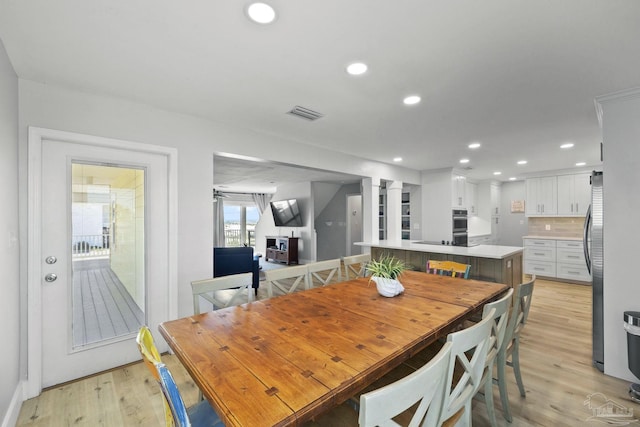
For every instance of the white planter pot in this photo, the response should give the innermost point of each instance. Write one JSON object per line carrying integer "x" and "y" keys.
{"x": 388, "y": 287}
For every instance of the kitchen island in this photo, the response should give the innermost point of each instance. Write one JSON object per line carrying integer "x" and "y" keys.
{"x": 502, "y": 264}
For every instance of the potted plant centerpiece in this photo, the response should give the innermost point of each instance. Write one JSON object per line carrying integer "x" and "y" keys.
{"x": 385, "y": 272}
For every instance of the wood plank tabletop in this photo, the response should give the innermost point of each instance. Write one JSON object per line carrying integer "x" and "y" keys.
{"x": 284, "y": 360}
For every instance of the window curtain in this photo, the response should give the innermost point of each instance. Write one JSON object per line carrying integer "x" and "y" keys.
{"x": 261, "y": 200}
{"x": 218, "y": 223}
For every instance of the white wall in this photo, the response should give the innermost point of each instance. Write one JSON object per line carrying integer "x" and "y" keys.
{"x": 10, "y": 392}
{"x": 621, "y": 180}
{"x": 196, "y": 139}
{"x": 513, "y": 226}
{"x": 302, "y": 192}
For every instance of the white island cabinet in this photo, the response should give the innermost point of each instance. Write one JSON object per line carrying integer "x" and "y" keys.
{"x": 494, "y": 263}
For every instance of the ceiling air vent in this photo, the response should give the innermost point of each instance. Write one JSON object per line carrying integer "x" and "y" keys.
{"x": 305, "y": 113}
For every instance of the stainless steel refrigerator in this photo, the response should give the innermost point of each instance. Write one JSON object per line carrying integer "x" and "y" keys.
{"x": 594, "y": 257}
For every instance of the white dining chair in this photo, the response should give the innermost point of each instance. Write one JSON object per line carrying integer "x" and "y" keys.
{"x": 222, "y": 291}
{"x": 500, "y": 310}
{"x": 425, "y": 387}
{"x": 509, "y": 354}
{"x": 286, "y": 280}
{"x": 323, "y": 272}
{"x": 473, "y": 340}
{"x": 355, "y": 265}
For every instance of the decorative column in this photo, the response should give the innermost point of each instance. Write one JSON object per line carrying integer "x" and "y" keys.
{"x": 394, "y": 210}
{"x": 370, "y": 194}
{"x": 243, "y": 226}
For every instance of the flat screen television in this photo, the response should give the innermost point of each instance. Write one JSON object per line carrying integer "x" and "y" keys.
{"x": 286, "y": 213}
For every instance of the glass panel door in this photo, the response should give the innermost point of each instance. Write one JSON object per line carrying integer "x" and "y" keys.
{"x": 108, "y": 252}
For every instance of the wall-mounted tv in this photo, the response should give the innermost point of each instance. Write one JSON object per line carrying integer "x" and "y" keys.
{"x": 286, "y": 213}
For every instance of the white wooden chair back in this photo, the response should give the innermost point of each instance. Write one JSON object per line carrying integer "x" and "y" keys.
{"x": 501, "y": 309}
{"x": 329, "y": 269}
{"x": 223, "y": 291}
{"x": 287, "y": 280}
{"x": 522, "y": 297}
{"x": 426, "y": 386}
{"x": 458, "y": 396}
{"x": 356, "y": 265}
{"x": 520, "y": 312}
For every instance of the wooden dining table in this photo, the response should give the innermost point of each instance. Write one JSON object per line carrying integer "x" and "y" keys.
{"x": 284, "y": 360}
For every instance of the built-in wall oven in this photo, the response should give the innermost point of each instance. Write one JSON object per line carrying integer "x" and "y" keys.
{"x": 459, "y": 231}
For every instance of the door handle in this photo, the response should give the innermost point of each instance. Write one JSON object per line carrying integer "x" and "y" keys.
{"x": 51, "y": 277}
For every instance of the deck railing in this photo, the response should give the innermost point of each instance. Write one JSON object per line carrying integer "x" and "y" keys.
{"x": 92, "y": 245}
{"x": 232, "y": 237}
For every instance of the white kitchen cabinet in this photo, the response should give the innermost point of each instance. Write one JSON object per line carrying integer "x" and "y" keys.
{"x": 495, "y": 230}
{"x": 574, "y": 193}
{"x": 495, "y": 199}
{"x": 540, "y": 257}
{"x": 542, "y": 196}
{"x": 570, "y": 261}
{"x": 471, "y": 197}
{"x": 562, "y": 259}
{"x": 458, "y": 183}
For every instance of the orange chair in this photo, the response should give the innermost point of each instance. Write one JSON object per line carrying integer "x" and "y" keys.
{"x": 448, "y": 268}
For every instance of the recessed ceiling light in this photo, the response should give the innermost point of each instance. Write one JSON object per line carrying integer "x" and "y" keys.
{"x": 357, "y": 68}
{"x": 522, "y": 162}
{"x": 397, "y": 159}
{"x": 513, "y": 178}
{"x": 464, "y": 160}
{"x": 580, "y": 164}
{"x": 261, "y": 13}
{"x": 411, "y": 100}
{"x": 497, "y": 173}
{"x": 474, "y": 145}
{"x": 567, "y": 145}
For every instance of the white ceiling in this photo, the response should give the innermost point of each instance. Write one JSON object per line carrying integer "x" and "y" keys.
{"x": 518, "y": 76}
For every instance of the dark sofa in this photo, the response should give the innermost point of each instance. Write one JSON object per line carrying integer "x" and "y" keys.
{"x": 228, "y": 261}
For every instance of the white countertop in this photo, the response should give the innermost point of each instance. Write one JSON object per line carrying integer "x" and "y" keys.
{"x": 480, "y": 251}
{"x": 552, "y": 237}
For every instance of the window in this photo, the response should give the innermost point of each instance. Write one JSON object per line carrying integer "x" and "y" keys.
{"x": 240, "y": 219}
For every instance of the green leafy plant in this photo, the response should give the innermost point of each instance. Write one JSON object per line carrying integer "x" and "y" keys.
{"x": 387, "y": 267}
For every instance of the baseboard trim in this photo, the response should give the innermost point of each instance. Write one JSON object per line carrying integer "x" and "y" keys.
{"x": 11, "y": 417}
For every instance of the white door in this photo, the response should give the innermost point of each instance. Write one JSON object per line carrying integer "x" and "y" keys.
{"x": 114, "y": 257}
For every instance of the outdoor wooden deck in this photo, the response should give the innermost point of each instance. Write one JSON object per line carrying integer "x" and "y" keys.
{"x": 102, "y": 309}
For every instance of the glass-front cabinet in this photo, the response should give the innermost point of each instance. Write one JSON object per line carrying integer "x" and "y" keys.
{"x": 406, "y": 215}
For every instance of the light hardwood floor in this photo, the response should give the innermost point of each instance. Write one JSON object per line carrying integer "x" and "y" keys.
{"x": 555, "y": 361}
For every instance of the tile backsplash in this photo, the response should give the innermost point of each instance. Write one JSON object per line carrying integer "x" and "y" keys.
{"x": 559, "y": 226}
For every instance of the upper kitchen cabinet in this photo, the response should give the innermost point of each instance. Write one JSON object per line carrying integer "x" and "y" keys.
{"x": 495, "y": 199}
{"x": 458, "y": 199}
{"x": 542, "y": 196}
{"x": 574, "y": 194}
{"x": 471, "y": 197}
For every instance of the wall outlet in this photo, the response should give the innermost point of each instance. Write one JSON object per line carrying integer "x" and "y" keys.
{"x": 547, "y": 227}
